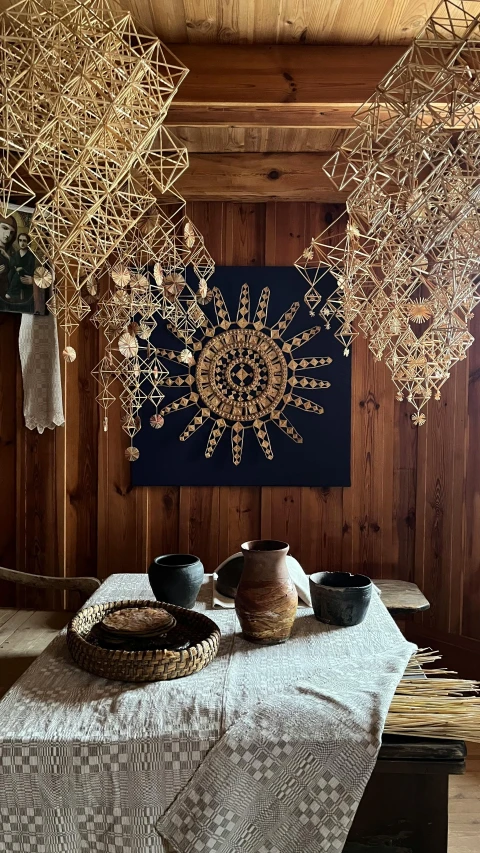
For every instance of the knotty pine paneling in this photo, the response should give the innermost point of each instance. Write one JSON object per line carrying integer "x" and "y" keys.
{"x": 8, "y": 369}
{"x": 412, "y": 511}
{"x": 470, "y": 626}
{"x": 284, "y": 22}
{"x": 441, "y": 473}
{"x": 221, "y": 139}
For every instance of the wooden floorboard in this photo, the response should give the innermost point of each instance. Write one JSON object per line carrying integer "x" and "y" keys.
{"x": 23, "y": 635}
{"x": 26, "y": 633}
{"x": 464, "y": 832}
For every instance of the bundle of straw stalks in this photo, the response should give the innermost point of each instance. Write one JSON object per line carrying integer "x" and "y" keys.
{"x": 434, "y": 702}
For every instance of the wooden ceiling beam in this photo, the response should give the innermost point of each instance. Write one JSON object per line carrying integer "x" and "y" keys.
{"x": 277, "y": 85}
{"x": 250, "y": 176}
{"x": 254, "y": 176}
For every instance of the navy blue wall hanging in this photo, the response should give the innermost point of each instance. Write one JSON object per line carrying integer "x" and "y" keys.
{"x": 267, "y": 402}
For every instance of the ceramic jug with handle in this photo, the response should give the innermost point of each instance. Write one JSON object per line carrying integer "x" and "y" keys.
{"x": 266, "y": 600}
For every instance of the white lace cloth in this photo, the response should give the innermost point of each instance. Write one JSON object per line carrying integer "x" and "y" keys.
{"x": 40, "y": 360}
{"x": 267, "y": 749}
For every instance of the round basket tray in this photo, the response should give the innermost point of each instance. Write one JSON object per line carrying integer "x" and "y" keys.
{"x": 158, "y": 665}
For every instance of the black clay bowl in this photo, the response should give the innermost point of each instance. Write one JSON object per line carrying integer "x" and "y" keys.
{"x": 340, "y": 598}
{"x": 176, "y": 579}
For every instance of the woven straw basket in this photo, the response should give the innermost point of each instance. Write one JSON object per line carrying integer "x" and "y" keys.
{"x": 158, "y": 665}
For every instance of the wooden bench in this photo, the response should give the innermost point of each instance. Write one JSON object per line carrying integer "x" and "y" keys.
{"x": 405, "y": 805}
{"x": 401, "y": 597}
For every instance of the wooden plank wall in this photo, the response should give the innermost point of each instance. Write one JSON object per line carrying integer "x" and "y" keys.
{"x": 413, "y": 510}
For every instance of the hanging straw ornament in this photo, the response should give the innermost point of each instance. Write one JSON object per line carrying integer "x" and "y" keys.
{"x": 408, "y": 269}
{"x": 148, "y": 283}
{"x": 103, "y": 166}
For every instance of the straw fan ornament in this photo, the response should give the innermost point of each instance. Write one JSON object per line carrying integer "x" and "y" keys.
{"x": 82, "y": 137}
{"x": 408, "y": 262}
{"x": 147, "y": 282}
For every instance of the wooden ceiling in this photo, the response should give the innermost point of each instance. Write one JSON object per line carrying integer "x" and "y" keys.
{"x": 273, "y": 85}
{"x": 259, "y": 121}
{"x": 260, "y": 139}
{"x": 284, "y": 21}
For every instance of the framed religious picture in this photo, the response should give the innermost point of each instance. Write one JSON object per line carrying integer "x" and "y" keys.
{"x": 19, "y": 292}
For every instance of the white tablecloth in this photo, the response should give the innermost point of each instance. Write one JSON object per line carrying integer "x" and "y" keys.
{"x": 91, "y": 765}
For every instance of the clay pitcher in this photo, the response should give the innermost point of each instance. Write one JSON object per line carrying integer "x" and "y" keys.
{"x": 266, "y": 600}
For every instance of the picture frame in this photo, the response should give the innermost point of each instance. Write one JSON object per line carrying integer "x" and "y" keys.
{"x": 18, "y": 261}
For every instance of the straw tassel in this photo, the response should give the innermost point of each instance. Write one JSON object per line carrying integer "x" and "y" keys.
{"x": 431, "y": 703}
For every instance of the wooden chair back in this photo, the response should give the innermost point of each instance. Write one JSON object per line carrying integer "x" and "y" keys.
{"x": 84, "y": 585}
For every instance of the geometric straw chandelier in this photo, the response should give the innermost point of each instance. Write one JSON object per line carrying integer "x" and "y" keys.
{"x": 406, "y": 256}
{"x": 85, "y": 95}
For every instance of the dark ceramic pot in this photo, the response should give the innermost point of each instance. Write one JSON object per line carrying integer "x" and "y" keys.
{"x": 340, "y": 598}
{"x": 176, "y": 579}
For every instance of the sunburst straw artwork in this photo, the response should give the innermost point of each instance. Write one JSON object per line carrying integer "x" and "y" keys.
{"x": 243, "y": 375}
{"x": 408, "y": 268}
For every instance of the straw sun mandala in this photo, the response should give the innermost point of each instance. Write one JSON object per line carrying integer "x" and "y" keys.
{"x": 243, "y": 375}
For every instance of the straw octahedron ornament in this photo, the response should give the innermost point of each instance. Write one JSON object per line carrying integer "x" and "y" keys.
{"x": 80, "y": 138}
{"x": 408, "y": 269}
{"x": 82, "y": 117}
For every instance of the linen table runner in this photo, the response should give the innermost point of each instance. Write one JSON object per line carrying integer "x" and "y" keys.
{"x": 288, "y": 776}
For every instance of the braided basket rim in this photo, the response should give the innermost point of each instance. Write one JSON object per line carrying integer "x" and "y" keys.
{"x": 77, "y": 643}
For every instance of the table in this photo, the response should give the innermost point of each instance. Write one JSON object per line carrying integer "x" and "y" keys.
{"x": 90, "y": 755}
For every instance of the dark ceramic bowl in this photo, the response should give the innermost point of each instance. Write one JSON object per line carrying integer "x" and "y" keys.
{"x": 176, "y": 579}
{"x": 340, "y": 598}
